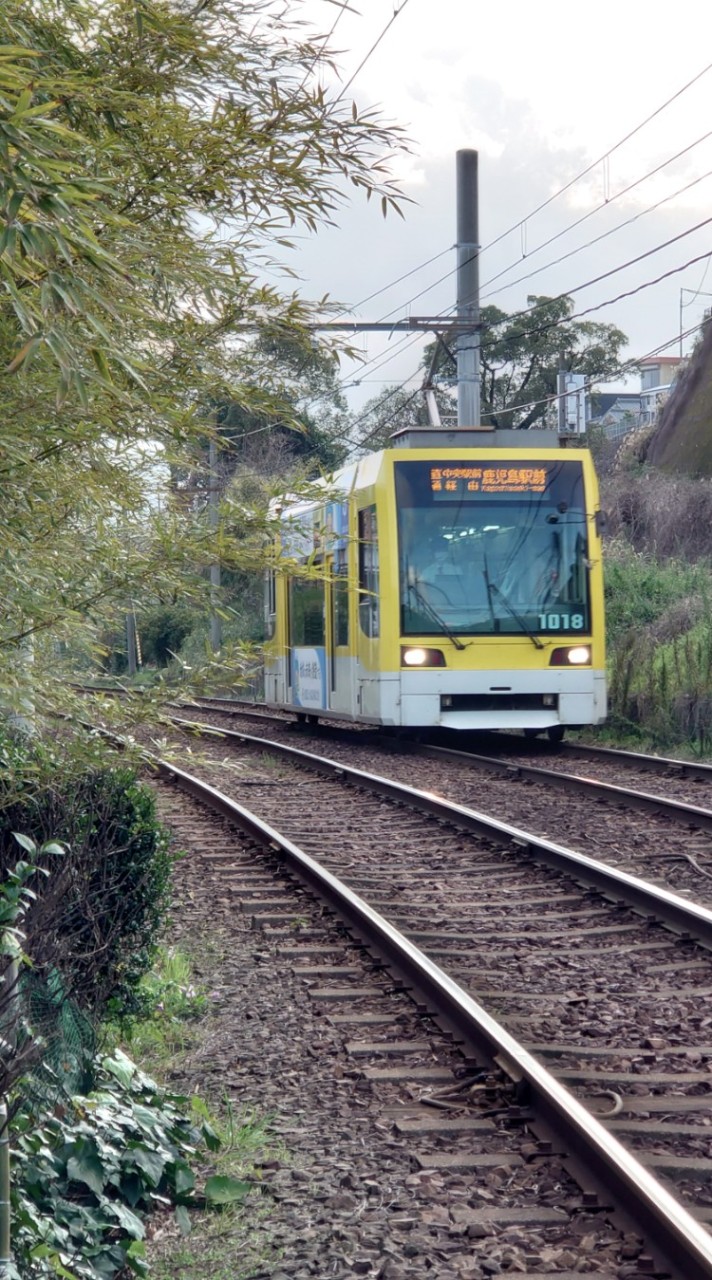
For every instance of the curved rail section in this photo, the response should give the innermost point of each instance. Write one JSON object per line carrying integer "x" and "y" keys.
{"x": 642, "y": 801}
{"x": 653, "y": 764}
{"x": 681, "y": 1243}
{"x": 691, "y": 815}
{"x": 652, "y": 901}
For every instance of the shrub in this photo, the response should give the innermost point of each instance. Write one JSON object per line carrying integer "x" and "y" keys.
{"x": 659, "y": 623}
{"x": 96, "y": 916}
{"x": 663, "y": 516}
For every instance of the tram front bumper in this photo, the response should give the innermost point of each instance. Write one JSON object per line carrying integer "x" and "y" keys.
{"x": 502, "y": 699}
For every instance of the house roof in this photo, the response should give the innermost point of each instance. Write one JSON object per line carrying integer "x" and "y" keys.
{"x": 603, "y": 401}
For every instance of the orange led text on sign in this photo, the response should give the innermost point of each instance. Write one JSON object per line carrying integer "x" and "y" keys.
{"x": 488, "y": 479}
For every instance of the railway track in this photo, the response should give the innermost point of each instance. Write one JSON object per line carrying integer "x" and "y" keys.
{"x": 663, "y": 835}
{"x": 571, "y": 957}
{"x": 500, "y": 747}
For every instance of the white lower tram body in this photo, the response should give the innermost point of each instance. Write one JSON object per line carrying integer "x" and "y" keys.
{"x": 455, "y": 699}
{"x": 507, "y": 699}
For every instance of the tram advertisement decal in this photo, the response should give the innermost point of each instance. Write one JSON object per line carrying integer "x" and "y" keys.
{"x": 309, "y": 677}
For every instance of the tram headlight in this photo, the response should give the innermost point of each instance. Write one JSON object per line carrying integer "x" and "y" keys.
{"x": 578, "y": 656}
{"x": 417, "y": 656}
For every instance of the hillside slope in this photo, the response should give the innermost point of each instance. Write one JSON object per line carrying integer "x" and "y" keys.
{"x": 682, "y": 440}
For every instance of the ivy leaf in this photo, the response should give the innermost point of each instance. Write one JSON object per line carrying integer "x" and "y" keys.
{"x": 210, "y": 1137}
{"x": 152, "y": 1163}
{"x": 86, "y": 1167}
{"x": 24, "y": 841}
{"x": 120, "y": 1066}
{"x": 129, "y": 1220}
{"x": 182, "y": 1218}
{"x": 184, "y": 1179}
{"x": 221, "y": 1189}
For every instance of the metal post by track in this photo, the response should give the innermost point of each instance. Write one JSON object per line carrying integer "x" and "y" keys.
{"x": 468, "y": 291}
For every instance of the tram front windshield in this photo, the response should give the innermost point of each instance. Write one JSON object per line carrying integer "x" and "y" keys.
{"x": 492, "y": 549}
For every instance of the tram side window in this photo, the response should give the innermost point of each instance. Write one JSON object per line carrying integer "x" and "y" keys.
{"x": 306, "y": 611}
{"x": 368, "y": 612}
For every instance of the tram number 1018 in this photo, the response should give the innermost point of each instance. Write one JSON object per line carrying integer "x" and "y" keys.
{"x": 561, "y": 621}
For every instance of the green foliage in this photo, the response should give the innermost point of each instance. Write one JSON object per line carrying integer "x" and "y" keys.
{"x": 16, "y": 896}
{"x": 520, "y": 357}
{"x": 162, "y": 631}
{"x": 167, "y": 993}
{"x": 85, "y": 1178}
{"x": 659, "y": 617}
{"x": 312, "y": 406}
{"x": 395, "y": 409}
{"x": 154, "y": 160}
{"x": 95, "y": 917}
{"x": 641, "y": 590}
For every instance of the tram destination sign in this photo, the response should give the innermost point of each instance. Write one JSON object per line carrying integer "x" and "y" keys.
{"x": 458, "y": 481}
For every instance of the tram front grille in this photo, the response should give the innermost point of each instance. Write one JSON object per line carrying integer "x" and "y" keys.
{"x": 499, "y": 702}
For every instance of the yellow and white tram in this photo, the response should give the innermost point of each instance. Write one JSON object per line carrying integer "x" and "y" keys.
{"x": 450, "y": 583}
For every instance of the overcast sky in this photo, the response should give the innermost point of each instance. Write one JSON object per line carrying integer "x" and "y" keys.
{"x": 541, "y": 91}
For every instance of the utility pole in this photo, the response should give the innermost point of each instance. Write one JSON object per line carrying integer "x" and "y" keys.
{"x": 131, "y": 663}
{"x": 468, "y": 291}
{"x": 213, "y": 514}
{"x": 561, "y": 403}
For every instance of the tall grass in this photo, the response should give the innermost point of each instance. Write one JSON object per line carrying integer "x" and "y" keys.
{"x": 660, "y": 648}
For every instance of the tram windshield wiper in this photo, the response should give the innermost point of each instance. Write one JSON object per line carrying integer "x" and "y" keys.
{"x": 426, "y": 606}
{"x": 493, "y": 588}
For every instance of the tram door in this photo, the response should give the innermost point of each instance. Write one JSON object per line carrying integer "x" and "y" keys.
{"x": 341, "y": 667}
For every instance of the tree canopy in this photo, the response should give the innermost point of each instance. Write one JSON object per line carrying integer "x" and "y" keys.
{"x": 520, "y": 357}
{"x": 155, "y": 156}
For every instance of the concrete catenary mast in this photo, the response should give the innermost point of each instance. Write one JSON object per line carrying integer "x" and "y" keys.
{"x": 468, "y": 291}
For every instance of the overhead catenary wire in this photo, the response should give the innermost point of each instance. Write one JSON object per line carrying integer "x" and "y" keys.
{"x": 534, "y": 330}
{"x": 606, "y": 155}
{"x": 604, "y": 234}
{"x": 397, "y": 11}
{"x": 612, "y": 230}
{"x": 324, "y": 40}
{"x": 623, "y": 266}
{"x": 605, "y": 275}
{"x": 385, "y": 288}
{"x": 570, "y": 227}
{"x": 619, "y": 370}
{"x": 522, "y": 222}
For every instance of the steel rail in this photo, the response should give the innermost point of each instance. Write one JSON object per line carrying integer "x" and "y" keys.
{"x": 650, "y": 763}
{"x": 688, "y": 919}
{"x": 645, "y": 801}
{"x": 635, "y": 759}
{"x": 680, "y": 1242}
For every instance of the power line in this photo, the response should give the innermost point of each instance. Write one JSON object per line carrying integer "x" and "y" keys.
{"x": 421, "y": 267}
{"x": 606, "y": 155}
{"x": 554, "y": 324}
{"x": 604, "y": 205}
{"x": 570, "y": 227}
{"x": 604, "y": 235}
{"x": 324, "y": 41}
{"x": 372, "y": 50}
{"x": 618, "y": 369}
{"x": 605, "y": 275}
{"x": 591, "y": 382}
{"x": 571, "y": 183}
